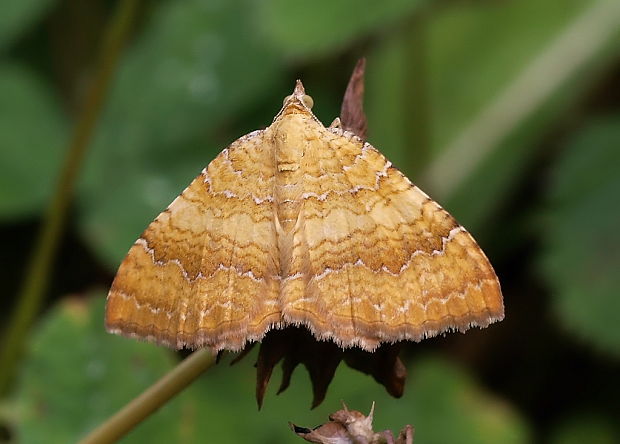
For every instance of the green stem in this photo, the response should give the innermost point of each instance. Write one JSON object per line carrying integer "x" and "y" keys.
{"x": 37, "y": 275}
{"x": 153, "y": 398}
{"x": 563, "y": 58}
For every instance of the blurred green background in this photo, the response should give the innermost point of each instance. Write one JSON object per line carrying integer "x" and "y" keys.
{"x": 505, "y": 111}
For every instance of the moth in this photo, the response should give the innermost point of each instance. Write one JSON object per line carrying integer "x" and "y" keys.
{"x": 300, "y": 224}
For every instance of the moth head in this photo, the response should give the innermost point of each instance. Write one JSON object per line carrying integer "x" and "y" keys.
{"x": 299, "y": 97}
{"x": 305, "y": 99}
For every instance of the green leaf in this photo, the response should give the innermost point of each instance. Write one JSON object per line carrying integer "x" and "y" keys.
{"x": 32, "y": 141}
{"x": 195, "y": 67}
{"x": 75, "y": 375}
{"x": 582, "y": 252}
{"x": 129, "y": 205}
{"x": 521, "y": 81}
{"x": 477, "y": 50}
{"x": 17, "y": 16}
{"x": 301, "y": 28}
{"x": 444, "y": 404}
{"x": 190, "y": 70}
{"x": 486, "y": 112}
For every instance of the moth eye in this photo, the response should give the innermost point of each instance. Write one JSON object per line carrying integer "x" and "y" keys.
{"x": 307, "y": 101}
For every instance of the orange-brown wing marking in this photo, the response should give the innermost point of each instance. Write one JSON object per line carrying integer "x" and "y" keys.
{"x": 386, "y": 263}
{"x": 206, "y": 271}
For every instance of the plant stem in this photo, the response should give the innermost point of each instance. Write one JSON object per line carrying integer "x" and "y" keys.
{"x": 573, "y": 49}
{"x": 30, "y": 297}
{"x": 153, "y": 398}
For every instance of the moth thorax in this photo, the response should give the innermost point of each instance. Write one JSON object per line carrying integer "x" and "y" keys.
{"x": 288, "y": 192}
{"x": 290, "y": 146}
